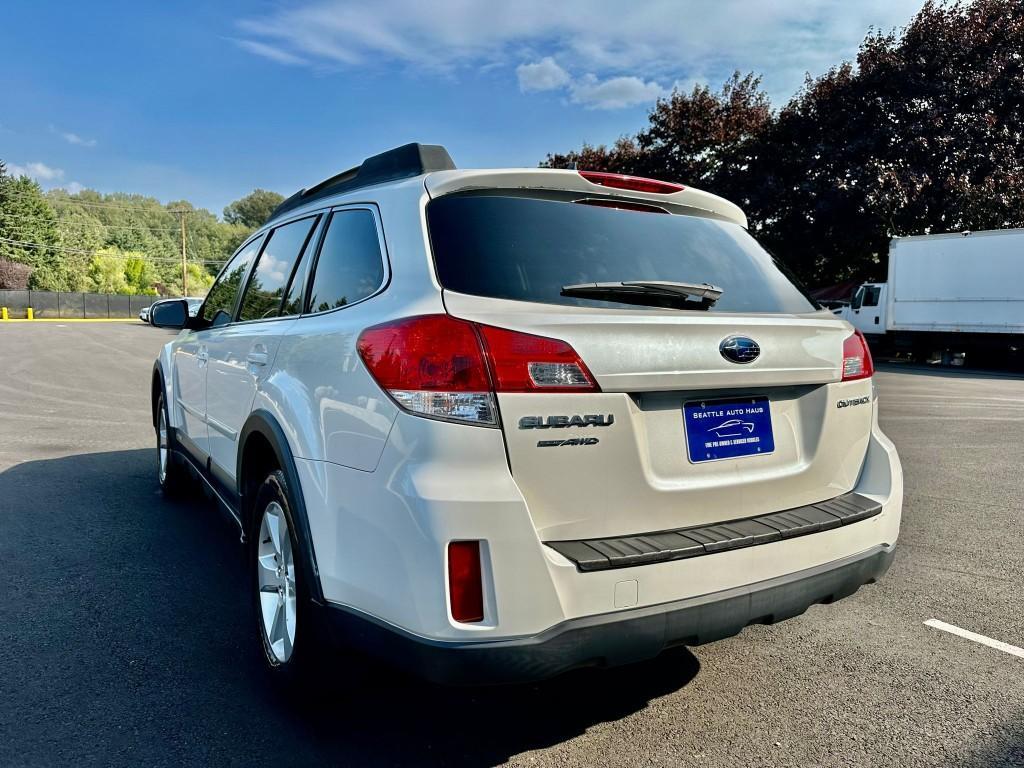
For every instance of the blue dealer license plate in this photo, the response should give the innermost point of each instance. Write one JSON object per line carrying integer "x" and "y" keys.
{"x": 725, "y": 429}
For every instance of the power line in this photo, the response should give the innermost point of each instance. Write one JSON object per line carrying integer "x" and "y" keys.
{"x": 43, "y": 246}
{"x": 139, "y": 228}
{"x": 154, "y": 207}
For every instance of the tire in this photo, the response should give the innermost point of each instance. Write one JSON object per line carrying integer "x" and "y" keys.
{"x": 284, "y": 618}
{"x": 172, "y": 476}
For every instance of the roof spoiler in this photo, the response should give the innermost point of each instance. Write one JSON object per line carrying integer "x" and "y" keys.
{"x": 402, "y": 162}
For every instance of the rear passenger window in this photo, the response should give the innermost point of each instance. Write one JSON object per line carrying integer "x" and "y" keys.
{"x": 220, "y": 301}
{"x": 350, "y": 266}
{"x": 270, "y": 278}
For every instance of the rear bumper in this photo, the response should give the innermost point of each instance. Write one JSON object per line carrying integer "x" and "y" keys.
{"x": 611, "y": 639}
{"x": 702, "y": 540}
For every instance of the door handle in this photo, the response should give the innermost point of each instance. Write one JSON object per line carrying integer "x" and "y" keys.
{"x": 202, "y": 355}
{"x": 257, "y": 358}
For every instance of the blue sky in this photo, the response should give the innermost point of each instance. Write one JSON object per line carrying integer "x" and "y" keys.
{"x": 206, "y": 101}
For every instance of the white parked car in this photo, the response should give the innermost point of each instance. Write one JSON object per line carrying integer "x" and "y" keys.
{"x": 496, "y": 424}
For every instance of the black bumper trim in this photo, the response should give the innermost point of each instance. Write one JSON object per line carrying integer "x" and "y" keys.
{"x": 610, "y": 639}
{"x": 659, "y": 547}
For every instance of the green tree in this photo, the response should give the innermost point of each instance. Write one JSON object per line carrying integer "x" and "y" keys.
{"x": 28, "y": 231}
{"x": 254, "y": 209}
{"x": 107, "y": 272}
{"x": 71, "y": 241}
{"x": 79, "y": 234}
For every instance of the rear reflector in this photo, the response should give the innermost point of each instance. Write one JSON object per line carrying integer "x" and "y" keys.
{"x": 465, "y": 583}
{"x": 446, "y": 368}
{"x": 634, "y": 183}
{"x": 857, "y": 362}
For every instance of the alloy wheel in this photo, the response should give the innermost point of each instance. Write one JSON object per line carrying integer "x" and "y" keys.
{"x": 162, "y": 449}
{"x": 275, "y": 574}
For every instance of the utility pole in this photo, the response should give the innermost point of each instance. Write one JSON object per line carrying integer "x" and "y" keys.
{"x": 184, "y": 265}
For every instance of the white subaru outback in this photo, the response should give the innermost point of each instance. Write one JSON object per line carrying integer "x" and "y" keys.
{"x": 492, "y": 425}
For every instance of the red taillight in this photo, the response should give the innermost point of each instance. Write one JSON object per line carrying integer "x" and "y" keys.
{"x": 432, "y": 365}
{"x": 439, "y": 366}
{"x": 465, "y": 583}
{"x": 522, "y": 362}
{"x": 857, "y": 363}
{"x": 635, "y": 183}
{"x": 430, "y": 352}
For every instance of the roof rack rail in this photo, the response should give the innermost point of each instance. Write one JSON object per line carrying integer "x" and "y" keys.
{"x": 399, "y": 163}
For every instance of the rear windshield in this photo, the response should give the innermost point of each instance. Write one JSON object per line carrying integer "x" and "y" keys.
{"x": 526, "y": 249}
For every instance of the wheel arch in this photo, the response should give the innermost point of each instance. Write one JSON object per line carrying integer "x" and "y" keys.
{"x": 157, "y": 388}
{"x": 263, "y": 447}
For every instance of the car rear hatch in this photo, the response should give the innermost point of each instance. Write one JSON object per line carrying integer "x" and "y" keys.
{"x": 688, "y": 413}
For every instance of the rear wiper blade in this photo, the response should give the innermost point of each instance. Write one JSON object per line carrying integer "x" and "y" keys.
{"x": 653, "y": 292}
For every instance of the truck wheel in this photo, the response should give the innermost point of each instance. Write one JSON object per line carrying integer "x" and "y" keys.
{"x": 285, "y": 621}
{"x": 172, "y": 476}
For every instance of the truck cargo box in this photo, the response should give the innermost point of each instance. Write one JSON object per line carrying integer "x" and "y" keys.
{"x": 962, "y": 282}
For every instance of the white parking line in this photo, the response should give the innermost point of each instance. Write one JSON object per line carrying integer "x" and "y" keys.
{"x": 1013, "y": 650}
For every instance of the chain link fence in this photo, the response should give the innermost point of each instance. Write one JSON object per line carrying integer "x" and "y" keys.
{"x": 73, "y": 305}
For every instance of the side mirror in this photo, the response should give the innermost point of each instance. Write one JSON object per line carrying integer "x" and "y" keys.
{"x": 169, "y": 314}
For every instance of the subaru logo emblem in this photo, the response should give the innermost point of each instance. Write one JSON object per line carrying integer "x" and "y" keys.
{"x": 739, "y": 349}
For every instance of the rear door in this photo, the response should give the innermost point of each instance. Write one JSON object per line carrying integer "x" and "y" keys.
{"x": 704, "y": 415}
{"x": 242, "y": 353}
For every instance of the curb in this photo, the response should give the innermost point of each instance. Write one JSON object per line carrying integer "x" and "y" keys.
{"x": 72, "y": 320}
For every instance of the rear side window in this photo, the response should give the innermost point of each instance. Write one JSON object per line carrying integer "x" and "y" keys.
{"x": 350, "y": 266}
{"x": 274, "y": 269}
{"x": 527, "y": 249}
{"x": 219, "y": 306}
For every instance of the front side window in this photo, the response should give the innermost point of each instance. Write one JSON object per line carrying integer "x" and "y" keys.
{"x": 350, "y": 266}
{"x": 858, "y": 297}
{"x": 530, "y": 249}
{"x": 871, "y": 294}
{"x": 270, "y": 278}
{"x": 220, "y": 301}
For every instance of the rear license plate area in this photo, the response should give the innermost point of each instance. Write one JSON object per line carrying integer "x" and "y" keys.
{"x": 728, "y": 429}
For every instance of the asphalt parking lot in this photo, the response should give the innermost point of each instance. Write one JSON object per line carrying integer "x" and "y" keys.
{"x": 125, "y": 634}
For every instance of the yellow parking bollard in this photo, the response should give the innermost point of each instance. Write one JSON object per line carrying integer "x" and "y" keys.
{"x": 30, "y": 315}
{"x": 3, "y": 313}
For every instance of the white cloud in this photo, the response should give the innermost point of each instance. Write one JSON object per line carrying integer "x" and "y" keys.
{"x": 654, "y": 41}
{"x": 73, "y": 138}
{"x": 37, "y": 171}
{"x": 73, "y": 188}
{"x": 544, "y": 75}
{"x": 615, "y": 92}
{"x": 269, "y": 52}
{"x": 589, "y": 90}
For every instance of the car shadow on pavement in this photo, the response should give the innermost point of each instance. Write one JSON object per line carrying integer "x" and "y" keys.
{"x": 395, "y": 719}
{"x": 134, "y": 645}
{"x": 1004, "y": 749}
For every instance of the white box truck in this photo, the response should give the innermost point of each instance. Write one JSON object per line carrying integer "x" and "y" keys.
{"x": 955, "y": 295}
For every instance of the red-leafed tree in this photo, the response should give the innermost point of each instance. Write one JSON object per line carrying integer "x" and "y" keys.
{"x": 14, "y": 276}
{"x": 923, "y": 133}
